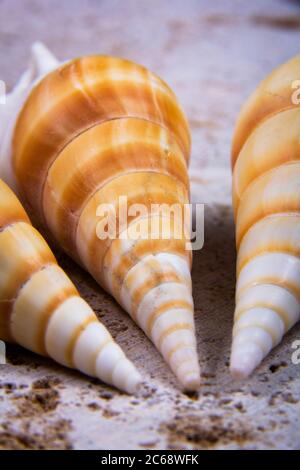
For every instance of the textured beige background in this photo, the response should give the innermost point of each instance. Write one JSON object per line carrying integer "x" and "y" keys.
{"x": 212, "y": 54}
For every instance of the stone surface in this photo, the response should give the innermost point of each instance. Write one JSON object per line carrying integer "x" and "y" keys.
{"x": 213, "y": 54}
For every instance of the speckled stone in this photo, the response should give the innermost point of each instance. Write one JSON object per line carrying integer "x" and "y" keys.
{"x": 213, "y": 54}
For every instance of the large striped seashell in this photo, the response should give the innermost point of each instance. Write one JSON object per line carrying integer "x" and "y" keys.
{"x": 266, "y": 200}
{"x": 90, "y": 132}
{"x": 41, "y": 310}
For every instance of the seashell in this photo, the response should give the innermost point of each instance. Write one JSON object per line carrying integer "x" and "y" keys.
{"x": 42, "y": 310}
{"x": 90, "y": 132}
{"x": 266, "y": 200}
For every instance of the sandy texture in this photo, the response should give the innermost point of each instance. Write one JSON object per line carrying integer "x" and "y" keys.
{"x": 213, "y": 54}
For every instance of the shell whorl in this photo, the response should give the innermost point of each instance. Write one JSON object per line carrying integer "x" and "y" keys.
{"x": 95, "y": 130}
{"x": 41, "y": 309}
{"x": 79, "y": 95}
{"x": 266, "y": 201}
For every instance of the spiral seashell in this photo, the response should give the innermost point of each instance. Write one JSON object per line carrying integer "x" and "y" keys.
{"x": 90, "y": 132}
{"x": 41, "y": 309}
{"x": 266, "y": 200}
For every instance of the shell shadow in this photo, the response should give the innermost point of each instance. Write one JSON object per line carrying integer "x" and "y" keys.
{"x": 214, "y": 286}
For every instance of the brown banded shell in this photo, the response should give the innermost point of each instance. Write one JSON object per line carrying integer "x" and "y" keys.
{"x": 91, "y": 132}
{"x": 266, "y": 199}
{"x": 41, "y": 309}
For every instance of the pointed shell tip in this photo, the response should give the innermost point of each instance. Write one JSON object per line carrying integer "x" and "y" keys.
{"x": 191, "y": 382}
{"x": 245, "y": 357}
{"x": 134, "y": 384}
{"x": 238, "y": 373}
{"x": 242, "y": 369}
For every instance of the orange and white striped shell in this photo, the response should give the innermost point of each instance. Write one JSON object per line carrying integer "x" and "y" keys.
{"x": 96, "y": 129}
{"x": 41, "y": 309}
{"x": 266, "y": 200}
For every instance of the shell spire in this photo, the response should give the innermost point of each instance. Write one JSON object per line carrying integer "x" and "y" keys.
{"x": 91, "y": 132}
{"x": 41, "y": 310}
{"x": 266, "y": 200}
